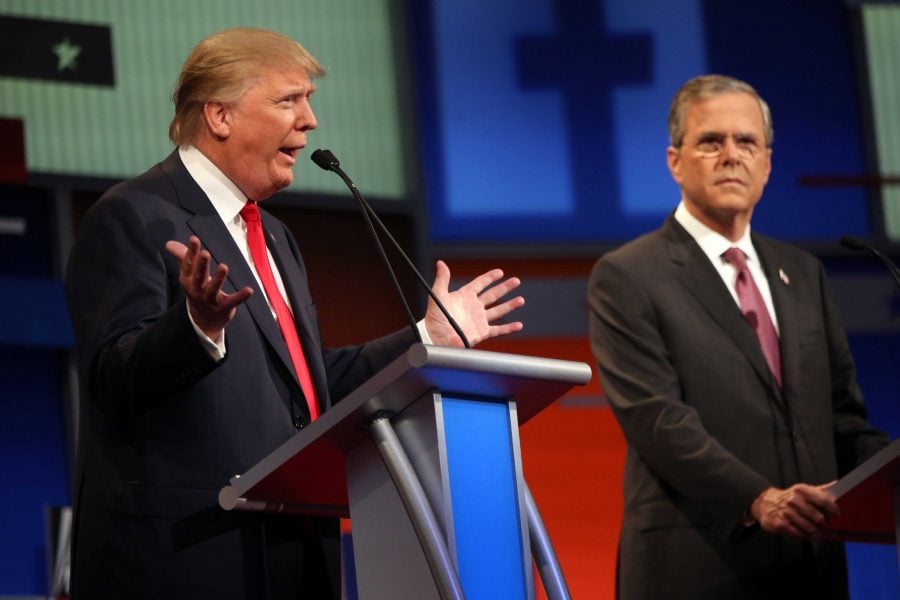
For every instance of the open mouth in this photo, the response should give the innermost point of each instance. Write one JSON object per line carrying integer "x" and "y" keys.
{"x": 290, "y": 152}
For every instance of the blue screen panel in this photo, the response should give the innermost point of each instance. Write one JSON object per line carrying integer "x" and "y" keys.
{"x": 484, "y": 499}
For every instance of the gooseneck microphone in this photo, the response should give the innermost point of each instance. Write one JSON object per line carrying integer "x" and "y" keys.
{"x": 854, "y": 243}
{"x": 329, "y": 162}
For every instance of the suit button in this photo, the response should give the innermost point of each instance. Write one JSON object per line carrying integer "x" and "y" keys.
{"x": 299, "y": 422}
{"x": 794, "y": 436}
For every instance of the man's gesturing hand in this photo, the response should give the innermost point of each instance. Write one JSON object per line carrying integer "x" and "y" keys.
{"x": 476, "y": 307}
{"x": 210, "y": 307}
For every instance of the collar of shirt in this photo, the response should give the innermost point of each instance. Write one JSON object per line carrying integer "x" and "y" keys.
{"x": 224, "y": 195}
{"x": 713, "y": 244}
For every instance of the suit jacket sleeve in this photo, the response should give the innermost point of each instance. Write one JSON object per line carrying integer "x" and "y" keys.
{"x": 128, "y": 311}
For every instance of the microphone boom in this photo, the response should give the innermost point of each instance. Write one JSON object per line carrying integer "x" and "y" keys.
{"x": 329, "y": 162}
{"x": 854, "y": 243}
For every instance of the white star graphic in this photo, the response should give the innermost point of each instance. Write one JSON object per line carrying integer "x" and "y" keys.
{"x": 67, "y": 54}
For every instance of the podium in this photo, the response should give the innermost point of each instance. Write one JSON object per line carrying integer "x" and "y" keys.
{"x": 869, "y": 499}
{"x": 424, "y": 458}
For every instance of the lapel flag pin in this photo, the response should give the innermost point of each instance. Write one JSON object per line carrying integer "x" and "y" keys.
{"x": 784, "y": 277}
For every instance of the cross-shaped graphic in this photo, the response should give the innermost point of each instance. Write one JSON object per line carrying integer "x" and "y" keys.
{"x": 586, "y": 62}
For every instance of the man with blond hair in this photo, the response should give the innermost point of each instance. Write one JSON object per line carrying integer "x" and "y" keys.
{"x": 199, "y": 350}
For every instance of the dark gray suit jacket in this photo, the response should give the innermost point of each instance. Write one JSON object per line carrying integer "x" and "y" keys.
{"x": 707, "y": 427}
{"x": 163, "y": 427}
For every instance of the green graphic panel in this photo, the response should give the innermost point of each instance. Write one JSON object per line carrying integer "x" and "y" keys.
{"x": 882, "y": 35}
{"x": 120, "y": 131}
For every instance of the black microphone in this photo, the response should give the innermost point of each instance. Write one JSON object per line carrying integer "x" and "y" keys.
{"x": 329, "y": 162}
{"x": 854, "y": 243}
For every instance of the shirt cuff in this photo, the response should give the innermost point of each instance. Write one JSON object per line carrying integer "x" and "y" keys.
{"x": 423, "y": 332}
{"x": 216, "y": 350}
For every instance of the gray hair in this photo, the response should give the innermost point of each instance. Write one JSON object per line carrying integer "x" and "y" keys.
{"x": 703, "y": 88}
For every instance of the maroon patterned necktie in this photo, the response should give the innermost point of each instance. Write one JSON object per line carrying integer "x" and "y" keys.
{"x": 753, "y": 307}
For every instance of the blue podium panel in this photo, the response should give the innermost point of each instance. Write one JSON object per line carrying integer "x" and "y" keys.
{"x": 483, "y": 473}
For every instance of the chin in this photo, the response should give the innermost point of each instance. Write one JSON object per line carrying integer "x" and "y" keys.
{"x": 282, "y": 183}
{"x": 734, "y": 202}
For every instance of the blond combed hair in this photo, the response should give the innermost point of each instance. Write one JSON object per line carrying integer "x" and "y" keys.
{"x": 223, "y": 66}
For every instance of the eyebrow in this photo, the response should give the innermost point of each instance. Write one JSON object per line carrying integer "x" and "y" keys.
{"x": 709, "y": 136}
{"x": 278, "y": 96}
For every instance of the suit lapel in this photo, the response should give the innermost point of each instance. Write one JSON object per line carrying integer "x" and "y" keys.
{"x": 206, "y": 223}
{"x": 785, "y": 308}
{"x": 702, "y": 280}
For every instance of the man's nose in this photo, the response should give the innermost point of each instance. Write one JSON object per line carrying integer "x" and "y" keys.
{"x": 306, "y": 118}
{"x": 730, "y": 151}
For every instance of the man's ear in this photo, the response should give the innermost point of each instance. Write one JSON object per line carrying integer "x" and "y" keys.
{"x": 218, "y": 119}
{"x": 673, "y": 160}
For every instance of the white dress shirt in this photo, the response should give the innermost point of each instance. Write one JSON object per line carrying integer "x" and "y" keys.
{"x": 715, "y": 244}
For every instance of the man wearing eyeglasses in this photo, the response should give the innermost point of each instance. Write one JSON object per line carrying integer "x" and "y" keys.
{"x": 728, "y": 369}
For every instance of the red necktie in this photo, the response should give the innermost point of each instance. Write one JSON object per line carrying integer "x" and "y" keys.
{"x": 754, "y": 310}
{"x": 257, "y": 242}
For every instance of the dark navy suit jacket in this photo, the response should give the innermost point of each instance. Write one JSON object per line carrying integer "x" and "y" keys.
{"x": 163, "y": 427}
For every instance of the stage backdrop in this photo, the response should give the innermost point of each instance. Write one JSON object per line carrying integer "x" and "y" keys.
{"x": 546, "y": 120}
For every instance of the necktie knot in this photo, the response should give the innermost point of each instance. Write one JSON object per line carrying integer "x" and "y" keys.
{"x": 736, "y": 257}
{"x": 250, "y": 212}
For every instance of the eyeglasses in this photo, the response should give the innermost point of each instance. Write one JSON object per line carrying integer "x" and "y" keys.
{"x": 746, "y": 147}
